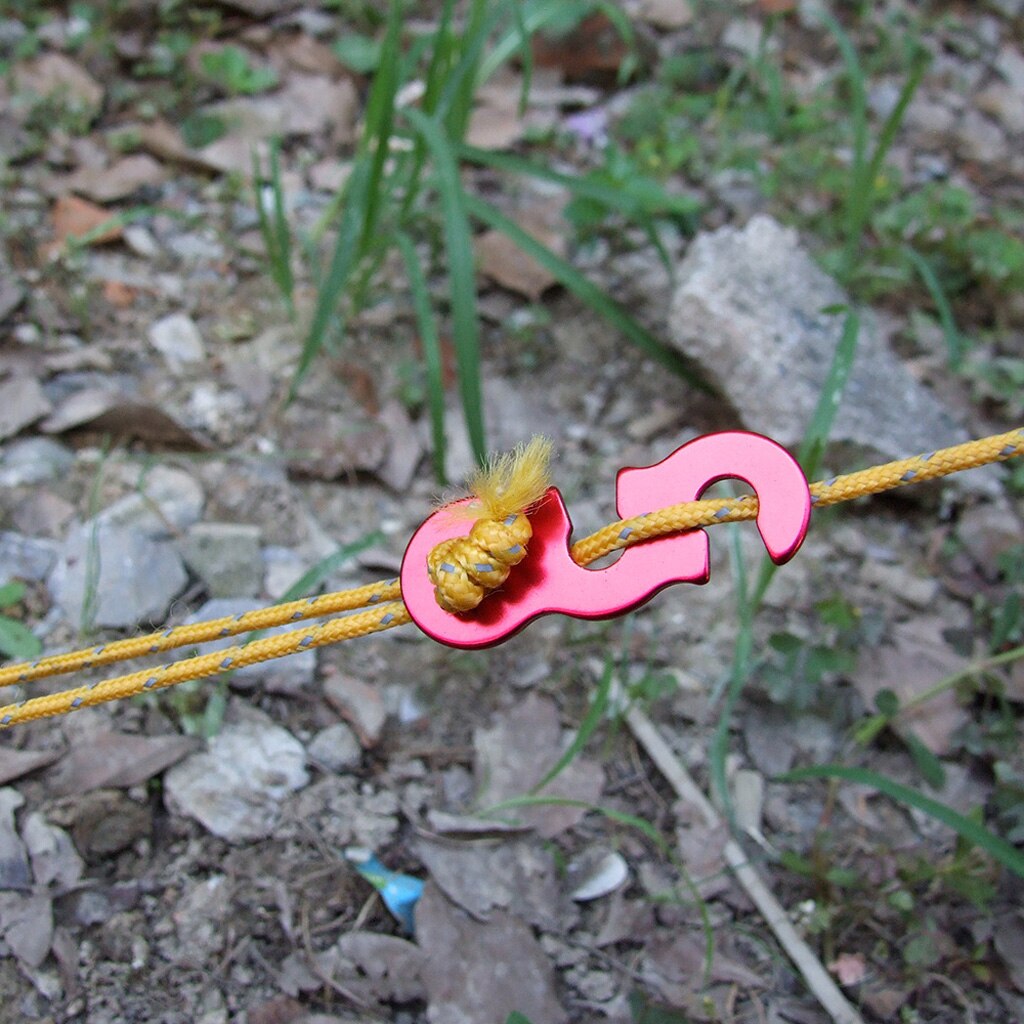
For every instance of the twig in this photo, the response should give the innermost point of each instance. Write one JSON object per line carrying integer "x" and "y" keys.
{"x": 817, "y": 978}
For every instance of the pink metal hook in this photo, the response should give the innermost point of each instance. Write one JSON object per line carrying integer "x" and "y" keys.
{"x": 549, "y": 581}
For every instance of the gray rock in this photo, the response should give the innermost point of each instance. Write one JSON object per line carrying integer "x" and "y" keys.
{"x": 22, "y": 402}
{"x": 979, "y": 138}
{"x": 34, "y": 460}
{"x": 336, "y": 748}
{"x": 288, "y": 676}
{"x": 169, "y": 501}
{"x": 1005, "y": 103}
{"x": 110, "y": 575}
{"x": 178, "y": 340}
{"x": 25, "y": 558}
{"x": 1010, "y": 64}
{"x": 282, "y": 568}
{"x": 236, "y": 788}
{"x": 748, "y": 308}
{"x": 226, "y": 557}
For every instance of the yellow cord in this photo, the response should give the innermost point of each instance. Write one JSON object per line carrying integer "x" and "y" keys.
{"x": 387, "y": 611}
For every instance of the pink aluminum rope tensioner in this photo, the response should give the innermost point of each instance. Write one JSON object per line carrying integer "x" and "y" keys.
{"x": 549, "y": 581}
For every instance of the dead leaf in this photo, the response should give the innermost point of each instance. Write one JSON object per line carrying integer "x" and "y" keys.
{"x": 494, "y": 127}
{"x": 22, "y": 402}
{"x": 16, "y": 763}
{"x": 482, "y": 876}
{"x": 303, "y": 52}
{"x": 111, "y": 414}
{"x": 459, "y": 973}
{"x": 118, "y": 181}
{"x": 591, "y": 52}
{"x": 14, "y": 868}
{"x": 674, "y": 965}
{"x": 113, "y": 759}
{"x": 504, "y": 262}
{"x": 55, "y": 75}
{"x": 513, "y": 755}
{"x": 405, "y": 451}
{"x": 329, "y": 445}
{"x": 54, "y": 857}
{"x": 777, "y": 6}
{"x": 119, "y": 294}
{"x": 279, "y": 1010}
{"x": 378, "y": 968}
{"x": 75, "y": 218}
{"x": 849, "y": 968}
{"x": 917, "y": 658}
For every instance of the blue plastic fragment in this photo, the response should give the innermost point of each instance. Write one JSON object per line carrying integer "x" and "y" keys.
{"x": 399, "y": 892}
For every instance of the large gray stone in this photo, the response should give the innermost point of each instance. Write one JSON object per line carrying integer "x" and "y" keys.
{"x": 226, "y": 557}
{"x": 749, "y": 308}
{"x": 236, "y": 787}
{"x": 25, "y": 558}
{"x": 114, "y": 576}
{"x": 34, "y": 460}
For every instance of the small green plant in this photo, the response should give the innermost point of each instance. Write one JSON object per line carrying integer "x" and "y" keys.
{"x": 406, "y": 192}
{"x": 231, "y": 69}
{"x": 798, "y": 670}
{"x": 16, "y": 640}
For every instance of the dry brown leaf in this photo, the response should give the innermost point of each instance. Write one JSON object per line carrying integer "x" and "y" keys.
{"x": 593, "y": 51}
{"x": 849, "y": 968}
{"x": 105, "y": 412}
{"x": 118, "y": 181}
{"x": 56, "y": 75}
{"x": 77, "y": 218}
{"x": 113, "y": 759}
{"x": 459, "y": 968}
{"x": 119, "y": 294}
{"x": 917, "y": 659}
{"x": 674, "y": 964}
{"x": 504, "y": 262}
{"x": 514, "y": 754}
{"x": 304, "y": 53}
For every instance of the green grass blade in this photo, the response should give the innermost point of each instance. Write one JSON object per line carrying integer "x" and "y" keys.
{"x": 333, "y": 286}
{"x": 380, "y": 120}
{"x": 651, "y": 202}
{"x": 461, "y": 276}
{"x": 535, "y": 16}
{"x": 749, "y": 599}
{"x": 431, "y": 352}
{"x": 892, "y": 123}
{"x": 999, "y": 849}
{"x": 955, "y": 346}
{"x": 588, "y": 293}
{"x": 456, "y": 102}
{"x": 311, "y": 580}
{"x": 593, "y": 718}
{"x": 812, "y": 448}
{"x": 525, "y": 53}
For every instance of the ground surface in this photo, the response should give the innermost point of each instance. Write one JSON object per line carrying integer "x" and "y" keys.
{"x": 182, "y": 857}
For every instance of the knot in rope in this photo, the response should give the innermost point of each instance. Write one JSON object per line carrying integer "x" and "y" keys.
{"x": 465, "y": 569}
